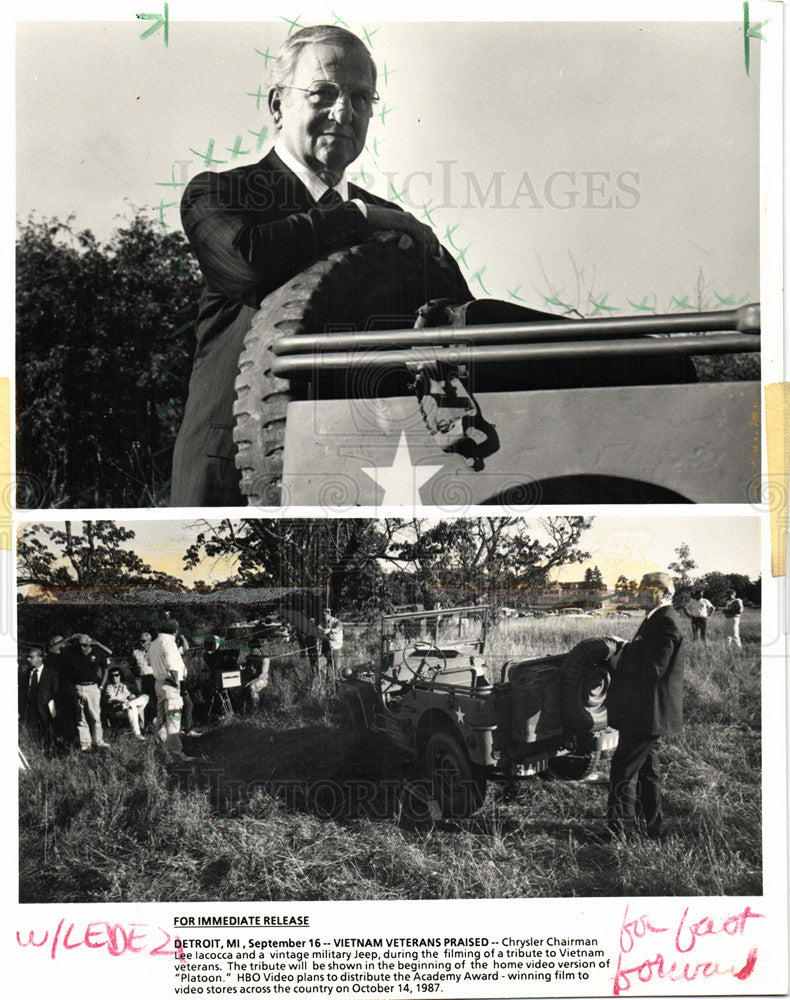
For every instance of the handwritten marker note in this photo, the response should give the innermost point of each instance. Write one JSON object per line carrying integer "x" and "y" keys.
{"x": 750, "y": 31}
{"x": 115, "y": 939}
{"x": 161, "y": 21}
{"x": 685, "y": 950}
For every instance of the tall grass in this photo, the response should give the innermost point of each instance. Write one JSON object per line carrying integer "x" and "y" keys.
{"x": 282, "y": 808}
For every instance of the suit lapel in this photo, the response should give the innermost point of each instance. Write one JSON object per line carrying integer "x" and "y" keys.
{"x": 290, "y": 192}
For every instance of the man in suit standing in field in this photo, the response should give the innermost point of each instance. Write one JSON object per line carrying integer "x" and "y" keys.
{"x": 645, "y": 702}
{"x": 255, "y": 227}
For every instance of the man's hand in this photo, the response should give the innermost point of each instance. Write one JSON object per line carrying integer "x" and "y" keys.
{"x": 403, "y": 222}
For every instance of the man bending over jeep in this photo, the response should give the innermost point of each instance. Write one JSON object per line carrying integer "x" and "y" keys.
{"x": 255, "y": 227}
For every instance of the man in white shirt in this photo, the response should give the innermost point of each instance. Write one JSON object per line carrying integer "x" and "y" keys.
{"x": 169, "y": 671}
{"x": 699, "y": 609}
{"x": 145, "y": 676}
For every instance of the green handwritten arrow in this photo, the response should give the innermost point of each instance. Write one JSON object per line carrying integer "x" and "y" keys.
{"x": 161, "y": 21}
{"x": 750, "y": 31}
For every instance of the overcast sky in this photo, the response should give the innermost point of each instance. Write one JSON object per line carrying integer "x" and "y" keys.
{"x": 630, "y": 149}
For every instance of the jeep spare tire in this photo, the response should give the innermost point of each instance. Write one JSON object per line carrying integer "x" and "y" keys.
{"x": 584, "y": 684}
{"x": 377, "y": 285}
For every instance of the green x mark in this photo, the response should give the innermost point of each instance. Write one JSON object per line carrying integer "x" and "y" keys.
{"x": 293, "y": 24}
{"x": 478, "y": 276}
{"x": 554, "y": 300}
{"x": 208, "y": 156}
{"x": 259, "y": 136}
{"x": 161, "y": 208}
{"x": 172, "y": 183}
{"x": 729, "y": 300}
{"x": 384, "y": 112}
{"x": 258, "y": 95}
{"x": 461, "y": 258}
{"x": 642, "y": 306}
{"x": 235, "y": 150}
{"x": 602, "y": 306}
{"x": 448, "y": 234}
{"x": 266, "y": 55}
{"x": 427, "y": 215}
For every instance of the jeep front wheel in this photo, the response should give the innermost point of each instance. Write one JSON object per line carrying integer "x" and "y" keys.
{"x": 377, "y": 285}
{"x": 457, "y": 786}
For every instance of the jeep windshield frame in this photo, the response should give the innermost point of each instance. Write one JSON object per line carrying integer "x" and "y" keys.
{"x": 445, "y": 627}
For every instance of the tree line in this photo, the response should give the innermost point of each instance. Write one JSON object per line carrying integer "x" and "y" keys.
{"x": 104, "y": 341}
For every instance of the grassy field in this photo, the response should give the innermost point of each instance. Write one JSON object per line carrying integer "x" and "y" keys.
{"x": 279, "y": 810}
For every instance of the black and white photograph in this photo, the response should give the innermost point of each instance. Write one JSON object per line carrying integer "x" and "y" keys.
{"x": 568, "y": 213}
{"x": 468, "y": 694}
{"x": 392, "y": 603}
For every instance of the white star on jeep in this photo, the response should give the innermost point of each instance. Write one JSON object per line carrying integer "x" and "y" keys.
{"x": 402, "y": 480}
{"x": 459, "y": 716}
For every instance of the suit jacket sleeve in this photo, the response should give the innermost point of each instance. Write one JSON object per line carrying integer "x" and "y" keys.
{"x": 658, "y": 648}
{"x": 247, "y": 245}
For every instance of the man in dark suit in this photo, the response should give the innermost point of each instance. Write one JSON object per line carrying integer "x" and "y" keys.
{"x": 645, "y": 702}
{"x": 255, "y": 227}
{"x": 35, "y": 722}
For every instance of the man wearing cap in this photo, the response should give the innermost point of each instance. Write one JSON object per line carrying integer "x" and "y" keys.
{"x": 255, "y": 227}
{"x": 645, "y": 702}
{"x": 169, "y": 671}
{"x": 86, "y": 669}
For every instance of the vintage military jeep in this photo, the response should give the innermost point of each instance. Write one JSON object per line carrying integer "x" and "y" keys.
{"x": 343, "y": 402}
{"x": 432, "y": 696}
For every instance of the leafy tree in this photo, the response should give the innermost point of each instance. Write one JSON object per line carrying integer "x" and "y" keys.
{"x": 682, "y": 566}
{"x": 449, "y": 560}
{"x": 493, "y": 558}
{"x": 104, "y": 342}
{"x": 717, "y": 584}
{"x": 341, "y": 555}
{"x": 95, "y": 556}
{"x": 622, "y": 584}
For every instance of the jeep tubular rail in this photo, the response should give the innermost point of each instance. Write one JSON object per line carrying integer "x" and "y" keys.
{"x": 431, "y": 694}
{"x": 342, "y": 402}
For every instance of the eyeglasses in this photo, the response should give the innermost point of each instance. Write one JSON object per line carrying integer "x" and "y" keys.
{"x": 326, "y": 94}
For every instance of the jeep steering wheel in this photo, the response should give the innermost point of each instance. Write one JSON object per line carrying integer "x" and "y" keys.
{"x": 425, "y": 649}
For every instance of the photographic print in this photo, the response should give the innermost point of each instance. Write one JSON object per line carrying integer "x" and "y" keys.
{"x": 392, "y": 609}
{"x": 575, "y": 208}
